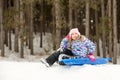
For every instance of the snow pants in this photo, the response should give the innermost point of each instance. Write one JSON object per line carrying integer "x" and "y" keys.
{"x": 54, "y": 56}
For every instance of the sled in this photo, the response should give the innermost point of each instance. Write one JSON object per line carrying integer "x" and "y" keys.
{"x": 82, "y": 61}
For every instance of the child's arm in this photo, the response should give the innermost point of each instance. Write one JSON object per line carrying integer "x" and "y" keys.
{"x": 64, "y": 42}
{"x": 91, "y": 49}
{"x": 90, "y": 45}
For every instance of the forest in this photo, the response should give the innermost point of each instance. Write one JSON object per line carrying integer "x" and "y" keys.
{"x": 96, "y": 19}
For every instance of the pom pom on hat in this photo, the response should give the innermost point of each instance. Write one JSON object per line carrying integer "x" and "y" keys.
{"x": 74, "y": 30}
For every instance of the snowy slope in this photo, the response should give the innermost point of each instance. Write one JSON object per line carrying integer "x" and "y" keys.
{"x": 12, "y": 67}
{"x": 12, "y": 70}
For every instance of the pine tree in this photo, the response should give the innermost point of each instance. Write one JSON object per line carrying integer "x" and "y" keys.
{"x": 1, "y": 28}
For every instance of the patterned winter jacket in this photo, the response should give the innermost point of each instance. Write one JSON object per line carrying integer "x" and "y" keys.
{"x": 79, "y": 48}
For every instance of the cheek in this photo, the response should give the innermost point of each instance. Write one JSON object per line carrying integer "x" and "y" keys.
{"x": 77, "y": 35}
{"x": 74, "y": 37}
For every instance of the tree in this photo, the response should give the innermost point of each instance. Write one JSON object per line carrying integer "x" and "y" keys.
{"x": 21, "y": 29}
{"x": 114, "y": 32}
{"x": 31, "y": 28}
{"x": 42, "y": 22}
{"x": 96, "y": 26}
{"x": 58, "y": 22}
{"x": 110, "y": 26}
{"x": 103, "y": 27}
{"x": 1, "y": 28}
{"x": 70, "y": 14}
{"x": 10, "y": 10}
{"x": 54, "y": 26}
{"x": 87, "y": 18}
{"x": 16, "y": 45}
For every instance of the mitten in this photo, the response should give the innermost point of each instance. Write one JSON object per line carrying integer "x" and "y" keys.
{"x": 91, "y": 57}
{"x": 68, "y": 37}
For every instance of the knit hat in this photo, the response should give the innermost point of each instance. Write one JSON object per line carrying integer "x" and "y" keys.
{"x": 74, "y": 30}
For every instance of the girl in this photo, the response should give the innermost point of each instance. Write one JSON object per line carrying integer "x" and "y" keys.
{"x": 74, "y": 44}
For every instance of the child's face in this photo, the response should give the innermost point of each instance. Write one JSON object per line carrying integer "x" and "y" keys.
{"x": 74, "y": 36}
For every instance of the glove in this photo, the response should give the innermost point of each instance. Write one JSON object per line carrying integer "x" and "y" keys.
{"x": 68, "y": 37}
{"x": 91, "y": 57}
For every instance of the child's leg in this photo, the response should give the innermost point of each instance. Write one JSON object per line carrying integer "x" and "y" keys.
{"x": 67, "y": 52}
{"x": 63, "y": 56}
{"x": 53, "y": 58}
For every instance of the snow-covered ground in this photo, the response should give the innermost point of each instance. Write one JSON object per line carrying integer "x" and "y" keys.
{"x": 12, "y": 67}
{"x": 12, "y": 70}
{"x": 11, "y": 55}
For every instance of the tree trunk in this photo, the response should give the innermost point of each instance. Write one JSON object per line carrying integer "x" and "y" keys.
{"x": 10, "y": 42}
{"x": 31, "y": 28}
{"x": 9, "y": 28}
{"x": 70, "y": 14}
{"x": 42, "y": 24}
{"x": 6, "y": 37}
{"x": 44, "y": 21}
{"x": 114, "y": 31}
{"x": 110, "y": 26}
{"x": 2, "y": 30}
{"x": 76, "y": 15}
{"x": 87, "y": 18}
{"x": 16, "y": 44}
{"x": 22, "y": 30}
{"x": 54, "y": 27}
{"x": 103, "y": 28}
{"x": 96, "y": 25}
{"x": 58, "y": 22}
{"x": 6, "y": 29}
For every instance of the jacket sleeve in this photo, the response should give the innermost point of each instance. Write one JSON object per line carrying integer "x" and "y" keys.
{"x": 78, "y": 53}
{"x": 90, "y": 45}
{"x": 64, "y": 43}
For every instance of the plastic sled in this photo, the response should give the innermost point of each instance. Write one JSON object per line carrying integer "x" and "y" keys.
{"x": 82, "y": 61}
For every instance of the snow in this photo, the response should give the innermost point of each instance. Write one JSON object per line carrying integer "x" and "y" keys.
{"x": 12, "y": 70}
{"x": 12, "y": 67}
{"x": 10, "y": 55}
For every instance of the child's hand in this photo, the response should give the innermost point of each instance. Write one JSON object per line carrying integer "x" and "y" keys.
{"x": 68, "y": 37}
{"x": 91, "y": 57}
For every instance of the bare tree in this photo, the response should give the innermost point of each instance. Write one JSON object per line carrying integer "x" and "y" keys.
{"x": 31, "y": 28}
{"x": 21, "y": 29}
{"x": 42, "y": 23}
{"x": 103, "y": 27}
{"x": 114, "y": 32}
{"x": 1, "y": 28}
{"x": 9, "y": 27}
{"x": 87, "y": 18}
{"x": 16, "y": 45}
{"x": 53, "y": 29}
{"x": 110, "y": 26}
{"x": 58, "y": 22}
{"x": 70, "y": 13}
{"x": 96, "y": 25}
